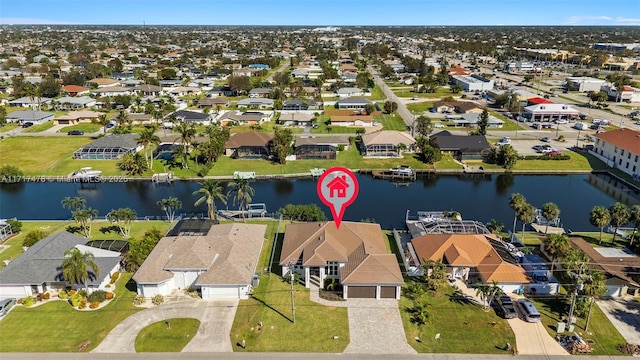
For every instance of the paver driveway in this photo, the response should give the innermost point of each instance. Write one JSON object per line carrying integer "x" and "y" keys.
{"x": 216, "y": 318}
{"x": 375, "y": 327}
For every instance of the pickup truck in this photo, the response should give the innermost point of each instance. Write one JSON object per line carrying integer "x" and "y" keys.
{"x": 506, "y": 308}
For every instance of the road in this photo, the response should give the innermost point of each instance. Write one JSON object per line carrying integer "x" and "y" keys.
{"x": 406, "y": 115}
{"x": 282, "y": 67}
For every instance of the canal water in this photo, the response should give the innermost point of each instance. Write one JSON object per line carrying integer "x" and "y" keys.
{"x": 476, "y": 197}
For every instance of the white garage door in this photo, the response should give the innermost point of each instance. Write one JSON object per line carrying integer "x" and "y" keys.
{"x": 219, "y": 292}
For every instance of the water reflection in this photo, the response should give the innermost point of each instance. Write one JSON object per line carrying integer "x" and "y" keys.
{"x": 283, "y": 186}
{"x": 615, "y": 188}
{"x": 503, "y": 183}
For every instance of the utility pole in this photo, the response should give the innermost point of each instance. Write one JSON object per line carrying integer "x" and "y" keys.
{"x": 578, "y": 286}
{"x": 293, "y": 306}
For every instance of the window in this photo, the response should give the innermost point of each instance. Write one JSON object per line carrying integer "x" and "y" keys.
{"x": 636, "y": 158}
{"x": 622, "y": 152}
{"x": 331, "y": 268}
{"x": 626, "y": 167}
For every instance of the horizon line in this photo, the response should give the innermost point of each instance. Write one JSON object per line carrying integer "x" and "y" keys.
{"x": 325, "y": 25}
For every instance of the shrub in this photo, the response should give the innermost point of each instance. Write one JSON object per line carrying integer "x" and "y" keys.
{"x": 63, "y": 294}
{"x": 94, "y": 305}
{"x": 33, "y": 237}
{"x": 10, "y": 174}
{"x": 157, "y": 299}
{"x": 97, "y": 296}
{"x": 83, "y": 303}
{"x": 138, "y": 300}
{"x": 109, "y": 296}
{"x": 46, "y": 296}
{"x": 75, "y": 299}
{"x": 39, "y": 297}
{"x": 28, "y": 301}
{"x": 16, "y": 225}
{"x": 114, "y": 277}
{"x": 72, "y": 292}
{"x": 302, "y": 212}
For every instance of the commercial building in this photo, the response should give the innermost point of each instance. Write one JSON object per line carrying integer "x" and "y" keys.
{"x": 473, "y": 82}
{"x": 584, "y": 83}
{"x": 548, "y": 113}
{"x": 619, "y": 149}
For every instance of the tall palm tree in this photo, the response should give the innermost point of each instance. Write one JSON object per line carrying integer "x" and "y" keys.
{"x": 187, "y": 132}
{"x": 210, "y": 191}
{"x": 599, "y": 217}
{"x": 83, "y": 217}
{"x": 104, "y": 121}
{"x": 516, "y": 201}
{"x": 635, "y": 220}
{"x": 169, "y": 206}
{"x": 73, "y": 203}
{"x": 75, "y": 267}
{"x": 550, "y": 211}
{"x": 619, "y": 216}
{"x": 243, "y": 192}
{"x": 148, "y": 138}
{"x": 593, "y": 287}
{"x": 526, "y": 215}
{"x": 556, "y": 245}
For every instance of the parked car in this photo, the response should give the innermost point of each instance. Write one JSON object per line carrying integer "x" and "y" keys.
{"x": 27, "y": 124}
{"x": 554, "y": 153}
{"x": 75, "y": 132}
{"x": 110, "y": 125}
{"x": 595, "y": 126}
{"x": 538, "y": 148}
{"x": 562, "y": 121}
{"x": 506, "y": 308}
{"x": 504, "y": 141}
{"x": 6, "y": 305}
{"x": 414, "y": 97}
{"x": 637, "y": 122}
{"x": 545, "y": 139}
{"x": 582, "y": 117}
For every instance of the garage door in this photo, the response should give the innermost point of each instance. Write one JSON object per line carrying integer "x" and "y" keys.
{"x": 388, "y": 292}
{"x": 219, "y": 292}
{"x": 361, "y": 292}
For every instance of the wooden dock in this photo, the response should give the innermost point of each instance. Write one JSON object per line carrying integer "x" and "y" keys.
{"x": 386, "y": 174}
{"x": 540, "y": 229}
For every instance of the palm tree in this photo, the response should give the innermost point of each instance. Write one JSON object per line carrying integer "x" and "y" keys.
{"x": 75, "y": 267}
{"x": 619, "y": 216}
{"x": 516, "y": 201}
{"x": 556, "y": 245}
{"x": 526, "y": 215}
{"x": 187, "y": 132}
{"x": 132, "y": 164}
{"x": 550, "y": 211}
{"x": 104, "y": 121}
{"x": 635, "y": 220}
{"x": 210, "y": 191}
{"x": 83, "y": 217}
{"x": 243, "y": 192}
{"x": 599, "y": 217}
{"x": 73, "y": 203}
{"x": 593, "y": 287}
{"x": 495, "y": 226}
{"x": 122, "y": 217}
{"x": 169, "y": 206}
{"x": 147, "y": 138}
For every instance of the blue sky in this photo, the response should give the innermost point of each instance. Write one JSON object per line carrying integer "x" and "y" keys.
{"x": 321, "y": 12}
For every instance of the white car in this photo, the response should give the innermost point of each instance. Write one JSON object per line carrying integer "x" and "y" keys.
{"x": 563, "y": 121}
{"x": 504, "y": 141}
{"x": 438, "y": 125}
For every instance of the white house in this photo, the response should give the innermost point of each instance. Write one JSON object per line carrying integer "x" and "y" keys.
{"x": 38, "y": 270}
{"x": 218, "y": 260}
{"x": 619, "y": 149}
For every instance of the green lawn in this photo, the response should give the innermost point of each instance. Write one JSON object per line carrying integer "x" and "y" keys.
{"x": 391, "y": 122}
{"x": 86, "y": 127}
{"x": 170, "y": 335}
{"x": 578, "y": 161}
{"x": 57, "y": 327}
{"x": 40, "y": 127}
{"x": 605, "y": 335}
{"x": 271, "y": 306}
{"x": 509, "y": 125}
{"x": 440, "y": 93}
{"x": 463, "y": 327}
{"x": 447, "y": 163}
{"x": 101, "y": 230}
{"x": 377, "y": 94}
{"x": 420, "y": 107}
{"x": 8, "y": 127}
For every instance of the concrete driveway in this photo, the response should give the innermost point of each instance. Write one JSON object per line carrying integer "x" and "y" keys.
{"x": 533, "y": 339}
{"x": 375, "y": 327}
{"x": 216, "y": 318}
{"x": 624, "y": 314}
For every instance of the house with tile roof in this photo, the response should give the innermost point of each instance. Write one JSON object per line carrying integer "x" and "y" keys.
{"x": 38, "y": 270}
{"x": 218, "y": 260}
{"x": 471, "y": 257}
{"x": 354, "y": 254}
{"x": 384, "y": 143}
{"x": 351, "y": 120}
{"x": 75, "y": 90}
{"x": 619, "y": 149}
{"x": 249, "y": 145}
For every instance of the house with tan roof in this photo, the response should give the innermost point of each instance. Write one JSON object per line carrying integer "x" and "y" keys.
{"x": 74, "y": 117}
{"x": 249, "y": 145}
{"x": 471, "y": 257}
{"x": 218, "y": 260}
{"x": 386, "y": 143}
{"x": 355, "y": 255}
{"x": 619, "y": 149}
{"x": 619, "y": 265}
{"x": 351, "y": 120}
{"x": 102, "y": 82}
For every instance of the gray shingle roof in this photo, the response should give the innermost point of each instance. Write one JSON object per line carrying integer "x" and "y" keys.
{"x": 41, "y": 262}
{"x": 126, "y": 141}
{"x": 29, "y": 115}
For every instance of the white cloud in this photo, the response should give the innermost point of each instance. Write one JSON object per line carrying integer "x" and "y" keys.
{"x": 30, "y": 21}
{"x": 602, "y": 20}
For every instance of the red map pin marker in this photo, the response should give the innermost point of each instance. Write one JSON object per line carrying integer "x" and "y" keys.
{"x": 337, "y": 188}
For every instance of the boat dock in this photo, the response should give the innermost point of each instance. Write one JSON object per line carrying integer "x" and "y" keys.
{"x": 316, "y": 172}
{"x": 162, "y": 178}
{"x": 386, "y": 174}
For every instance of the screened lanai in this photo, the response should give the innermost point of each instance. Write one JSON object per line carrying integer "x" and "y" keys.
{"x": 109, "y": 147}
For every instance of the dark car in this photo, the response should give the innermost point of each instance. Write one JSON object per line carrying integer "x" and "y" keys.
{"x": 75, "y": 132}
{"x": 545, "y": 139}
{"x": 582, "y": 117}
{"x": 27, "y": 124}
{"x": 506, "y": 308}
{"x": 6, "y": 305}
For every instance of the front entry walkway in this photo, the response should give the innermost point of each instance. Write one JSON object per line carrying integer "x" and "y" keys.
{"x": 216, "y": 318}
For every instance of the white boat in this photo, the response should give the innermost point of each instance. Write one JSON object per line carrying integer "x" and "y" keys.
{"x": 86, "y": 173}
{"x": 402, "y": 170}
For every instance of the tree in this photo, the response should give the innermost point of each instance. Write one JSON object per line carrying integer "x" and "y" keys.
{"x": 147, "y": 138}
{"x": 557, "y": 246}
{"x": 122, "y": 218}
{"x": 73, "y": 203}
{"x": 33, "y": 237}
{"x": 456, "y": 88}
{"x": 239, "y": 84}
{"x": 369, "y": 109}
{"x": 139, "y": 250}
{"x": 243, "y": 192}
{"x": 169, "y": 206}
{"x": 495, "y": 226}
{"x": 507, "y": 156}
{"x": 619, "y": 216}
{"x": 74, "y": 77}
{"x": 599, "y": 217}
{"x": 635, "y": 220}
{"x": 390, "y": 106}
{"x": 487, "y": 292}
{"x": 49, "y": 87}
{"x": 83, "y": 217}
{"x": 593, "y": 287}
{"x": 132, "y": 164}
{"x": 550, "y": 211}
{"x": 75, "y": 267}
{"x": 516, "y": 202}
{"x": 210, "y": 191}
{"x": 423, "y": 126}
{"x": 435, "y": 273}
{"x": 526, "y": 215}
{"x": 281, "y": 148}
{"x": 302, "y": 212}
{"x": 428, "y": 153}
{"x": 483, "y": 122}
{"x": 187, "y": 132}
{"x": 104, "y": 121}
{"x": 3, "y": 116}
{"x": 123, "y": 123}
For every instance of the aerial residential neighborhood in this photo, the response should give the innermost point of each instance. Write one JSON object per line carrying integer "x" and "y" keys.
{"x": 162, "y": 188}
